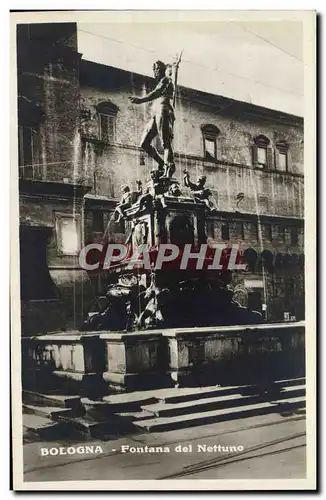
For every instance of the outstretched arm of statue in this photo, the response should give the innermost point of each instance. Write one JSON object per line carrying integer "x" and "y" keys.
{"x": 187, "y": 181}
{"x": 151, "y": 96}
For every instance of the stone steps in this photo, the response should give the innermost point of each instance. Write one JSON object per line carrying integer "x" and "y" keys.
{"x": 55, "y": 400}
{"x": 36, "y": 428}
{"x": 190, "y": 394}
{"x": 117, "y": 403}
{"x": 36, "y": 425}
{"x": 208, "y": 417}
{"x": 51, "y": 412}
{"x": 114, "y": 425}
{"x": 52, "y": 415}
{"x": 220, "y": 402}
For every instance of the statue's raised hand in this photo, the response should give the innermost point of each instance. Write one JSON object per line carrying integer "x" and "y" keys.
{"x": 135, "y": 100}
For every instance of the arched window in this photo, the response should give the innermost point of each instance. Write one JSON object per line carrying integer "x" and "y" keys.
{"x": 210, "y": 133}
{"x": 281, "y": 156}
{"x": 107, "y": 112}
{"x": 262, "y": 155}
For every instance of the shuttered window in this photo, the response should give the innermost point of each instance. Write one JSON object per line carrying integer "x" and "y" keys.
{"x": 107, "y": 128}
{"x": 282, "y": 156}
{"x": 282, "y": 161}
{"x": 262, "y": 153}
{"x": 107, "y": 113}
{"x": 262, "y": 156}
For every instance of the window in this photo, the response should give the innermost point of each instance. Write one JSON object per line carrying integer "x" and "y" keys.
{"x": 263, "y": 203}
{"x": 280, "y": 233}
{"x": 294, "y": 236}
{"x": 141, "y": 158}
{"x": 281, "y": 156}
{"x": 239, "y": 228}
{"x": 29, "y": 146}
{"x": 68, "y": 234}
{"x": 210, "y": 229}
{"x": 282, "y": 161}
{"x": 98, "y": 222}
{"x": 107, "y": 128}
{"x": 225, "y": 233}
{"x": 268, "y": 232}
{"x": 210, "y": 133}
{"x": 107, "y": 113}
{"x": 262, "y": 156}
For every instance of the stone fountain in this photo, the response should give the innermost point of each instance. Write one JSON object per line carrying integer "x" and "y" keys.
{"x": 170, "y": 297}
{"x": 170, "y": 326}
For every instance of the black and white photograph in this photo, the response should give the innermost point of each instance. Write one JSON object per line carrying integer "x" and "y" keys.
{"x": 163, "y": 165}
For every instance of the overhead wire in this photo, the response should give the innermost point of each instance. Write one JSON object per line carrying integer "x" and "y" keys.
{"x": 267, "y": 41}
{"x": 187, "y": 61}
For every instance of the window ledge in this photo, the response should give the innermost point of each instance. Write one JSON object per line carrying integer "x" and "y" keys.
{"x": 96, "y": 140}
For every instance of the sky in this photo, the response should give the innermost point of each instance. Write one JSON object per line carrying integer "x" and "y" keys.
{"x": 253, "y": 61}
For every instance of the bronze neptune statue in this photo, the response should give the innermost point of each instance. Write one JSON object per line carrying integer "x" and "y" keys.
{"x": 162, "y": 117}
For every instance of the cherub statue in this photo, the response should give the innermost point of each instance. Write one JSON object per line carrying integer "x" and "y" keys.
{"x": 162, "y": 117}
{"x": 124, "y": 203}
{"x": 200, "y": 193}
{"x": 139, "y": 188}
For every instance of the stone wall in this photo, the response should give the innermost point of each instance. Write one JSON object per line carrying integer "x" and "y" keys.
{"x": 268, "y": 191}
{"x": 48, "y": 78}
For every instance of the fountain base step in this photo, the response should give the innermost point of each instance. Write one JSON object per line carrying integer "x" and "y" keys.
{"x": 195, "y": 418}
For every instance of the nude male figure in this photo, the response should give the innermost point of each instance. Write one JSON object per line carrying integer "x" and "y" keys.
{"x": 162, "y": 118}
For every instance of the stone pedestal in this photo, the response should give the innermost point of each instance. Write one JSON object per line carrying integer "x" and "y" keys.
{"x": 71, "y": 361}
{"x": 136, "y": 360}
{"x": 181, "y": 221}
{"x": 236, "y": 355}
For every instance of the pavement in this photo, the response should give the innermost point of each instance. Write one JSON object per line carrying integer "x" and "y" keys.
{"x": 268, "y": 447}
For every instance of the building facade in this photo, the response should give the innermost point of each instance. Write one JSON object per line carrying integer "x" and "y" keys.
{"x": 79, "y": 142}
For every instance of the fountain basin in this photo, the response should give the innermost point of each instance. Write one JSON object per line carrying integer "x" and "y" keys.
{"x": 95, "y": 363}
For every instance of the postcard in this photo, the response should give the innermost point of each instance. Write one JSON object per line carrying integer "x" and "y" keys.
{"x": 163, "y": 242}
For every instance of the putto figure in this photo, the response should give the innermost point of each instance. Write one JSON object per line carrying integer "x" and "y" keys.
{"x": 199, "y": 192}
{"x": 162, "y": 118}
{"x": 124, "y": 203}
